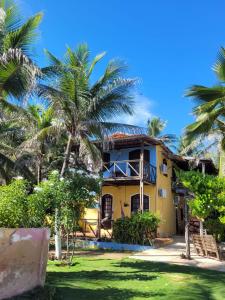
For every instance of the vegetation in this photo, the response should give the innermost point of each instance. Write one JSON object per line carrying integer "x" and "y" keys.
{"x": 95, "y": 278}
{"x": 140, "y": 228}
{"x": 85, "y": 109}
{"x": 155, "y": 126}
{"x": 210, "y": 109}
{"x": 209, "y": 200}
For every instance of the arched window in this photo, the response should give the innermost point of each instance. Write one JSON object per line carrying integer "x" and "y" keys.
{"x": 135, "y": 203}
{"x": 107, "y": 206}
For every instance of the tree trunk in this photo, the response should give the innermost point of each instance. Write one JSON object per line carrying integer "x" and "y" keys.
{"x": 38, "y": 172}
{"x": 187, "y": 234}
{"x": 58, "y": 246}
{"x": 67, "y": 155}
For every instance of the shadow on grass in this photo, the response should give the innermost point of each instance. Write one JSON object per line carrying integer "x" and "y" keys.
{"x": 109, "y": 293}
{"x": 94, "y": 275}
{"x": 146, "y": 266}
{"x": 131, "y": 279}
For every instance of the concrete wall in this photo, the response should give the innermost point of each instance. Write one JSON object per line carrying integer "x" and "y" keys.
{"x": 23, "y": 259}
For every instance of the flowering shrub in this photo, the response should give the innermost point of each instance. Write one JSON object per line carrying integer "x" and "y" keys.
{"x": 70, "y": 195}
{"x": 21, "y": 208}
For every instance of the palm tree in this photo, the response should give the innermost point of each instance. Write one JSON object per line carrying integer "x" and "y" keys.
{"x": 17, "y": 74}
{"x": 41, "y": 134}
{"x": 155, "y": 126}
{"x": 17, "y": 71}
{"x": 11, "y": 136}
{"x": 86, "y": 108}
{"x": 210, "y": 109}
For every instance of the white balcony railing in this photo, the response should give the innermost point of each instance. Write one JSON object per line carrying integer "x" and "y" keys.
{"x": 129, "y": 169}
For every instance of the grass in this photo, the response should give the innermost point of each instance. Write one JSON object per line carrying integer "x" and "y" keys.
{"x": 99, "y": 278}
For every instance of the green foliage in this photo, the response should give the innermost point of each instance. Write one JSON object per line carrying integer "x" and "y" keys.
{"x": 14, "y": 205}
{"x": 216, "y": 228}
{"x": 210, "y": 109}
{"x": 70, "y": 195}
{"x": 209, "y": 193}
{"x": 209, "y": 200}
{"x": 138, "y": 229}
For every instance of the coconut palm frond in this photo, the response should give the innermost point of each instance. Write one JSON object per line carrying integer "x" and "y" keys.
{"x": 23, "y": 37}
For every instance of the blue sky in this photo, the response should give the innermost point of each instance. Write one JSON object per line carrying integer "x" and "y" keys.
{"x": 168, "y": 45}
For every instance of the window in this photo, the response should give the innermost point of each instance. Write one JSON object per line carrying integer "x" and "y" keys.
{"x": 107, "y": 206}
{"x": 164, "y": 167}
{"x": 135, "y": 203}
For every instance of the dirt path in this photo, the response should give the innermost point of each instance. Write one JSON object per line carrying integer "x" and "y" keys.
{"x": 171, "y": 254}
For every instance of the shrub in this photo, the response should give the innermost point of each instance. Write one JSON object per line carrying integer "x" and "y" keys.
{"x": 13, "y": 204}
{"x": 216, "y": 228}
{"x": 140, "y": 228}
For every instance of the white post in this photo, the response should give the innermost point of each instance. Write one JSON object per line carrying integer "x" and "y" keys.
{"x": 58, "y": 246}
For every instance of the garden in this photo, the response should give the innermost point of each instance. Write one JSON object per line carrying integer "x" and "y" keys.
{"x": 52, "y": 120}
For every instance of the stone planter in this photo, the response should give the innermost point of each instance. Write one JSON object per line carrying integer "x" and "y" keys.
{"x": 23, "y": 259}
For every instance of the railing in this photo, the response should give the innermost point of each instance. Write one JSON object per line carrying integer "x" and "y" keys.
{"x": 149, "y": 172}
{"x": 123, "y": 168}
{"x": 126, "y": 169}
{"x": 90, "y": 226}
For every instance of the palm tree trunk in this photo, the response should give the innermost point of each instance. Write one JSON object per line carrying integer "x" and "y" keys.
{"x": 67, "y": 155}
{"x": 38, "y": 172}
{"x": 58, "y": 244}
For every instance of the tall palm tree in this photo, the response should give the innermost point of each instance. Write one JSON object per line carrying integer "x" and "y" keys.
{"x": 17, "y": 71}
{"x": 41, "y": 134}
{"x": 210, "y": 109}
{"x": 84, "y": 107}
{"x": 155, "y": 126}
{"x": 11, "y": 136}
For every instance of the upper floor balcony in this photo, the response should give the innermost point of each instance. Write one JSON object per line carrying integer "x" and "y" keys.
{"x": 129, "y": 170}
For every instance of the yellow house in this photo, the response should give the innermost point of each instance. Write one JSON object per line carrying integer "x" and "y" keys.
{"x": 138, "y": 175}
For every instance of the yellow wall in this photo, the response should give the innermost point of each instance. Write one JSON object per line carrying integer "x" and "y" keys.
{"x": 165, "y": 206}
{"x": 162, "y": 206}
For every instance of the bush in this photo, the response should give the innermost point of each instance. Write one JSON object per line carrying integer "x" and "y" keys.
{"x": 19, "y": 209}
{"x": 13, "y": 205}
{"x": 216, "y": 228}
{"x": 139, "y": 229}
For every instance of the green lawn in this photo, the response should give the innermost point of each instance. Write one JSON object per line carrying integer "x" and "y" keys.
{"x": 94, "y": 278}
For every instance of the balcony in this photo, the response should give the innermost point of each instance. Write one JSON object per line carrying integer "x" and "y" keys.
{"x": 129, "y": 170}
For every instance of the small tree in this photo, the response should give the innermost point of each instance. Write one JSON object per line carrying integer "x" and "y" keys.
{"x": 66, "y": 198}
{"x": 209, "y": 200}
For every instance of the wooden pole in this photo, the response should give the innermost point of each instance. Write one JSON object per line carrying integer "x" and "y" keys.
{"x": 142, "y": 179}
{"x": 187, "y": 234}
{"x": 200, "y": 222}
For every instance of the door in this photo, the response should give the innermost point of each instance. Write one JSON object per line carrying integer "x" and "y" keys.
{"x": 135, "y": 155}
